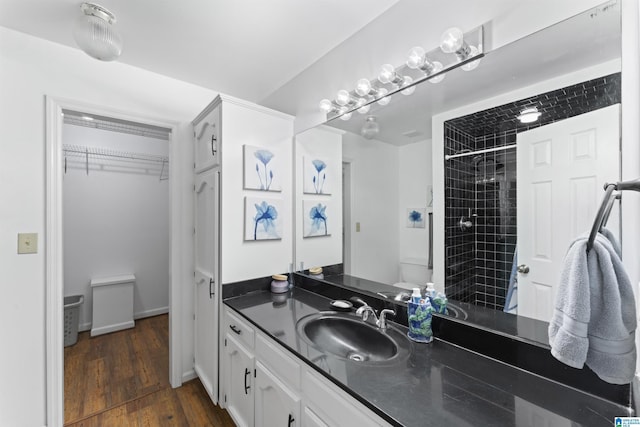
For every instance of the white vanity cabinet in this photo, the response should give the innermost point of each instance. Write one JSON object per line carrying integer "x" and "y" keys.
{"x": 266, "y": 385}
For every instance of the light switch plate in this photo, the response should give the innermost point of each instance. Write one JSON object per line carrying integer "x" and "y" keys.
{"x": 27, "y": 243}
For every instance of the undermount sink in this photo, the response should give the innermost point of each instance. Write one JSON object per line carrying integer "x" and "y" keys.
{"x": 349, "y": 337}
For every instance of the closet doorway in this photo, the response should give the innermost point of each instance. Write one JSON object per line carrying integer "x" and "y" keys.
{"x": 116, "y": 251}
{"x": 92, "y": 164}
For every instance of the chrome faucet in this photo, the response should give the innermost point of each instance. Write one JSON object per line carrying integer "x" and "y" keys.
{"x": 382, "y": 321}
{"x": 364, "y": 311}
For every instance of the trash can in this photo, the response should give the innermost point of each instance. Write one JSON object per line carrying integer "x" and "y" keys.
{"x": 71, "y": 318}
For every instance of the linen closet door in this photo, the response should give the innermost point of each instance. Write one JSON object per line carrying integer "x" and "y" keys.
{"x": 206, "y": 280}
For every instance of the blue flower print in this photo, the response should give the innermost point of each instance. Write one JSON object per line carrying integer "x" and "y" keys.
{"x": 318, "y": 217}
{"x": 415, "y": 217}
{"x": 264, "y": 156}
{"x": 320, "y": 166}
{"x": 266, "y": 214}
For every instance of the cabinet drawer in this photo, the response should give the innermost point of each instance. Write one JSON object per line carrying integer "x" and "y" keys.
{"x": 239, "y": 328}
{"x": 279, "y": 362}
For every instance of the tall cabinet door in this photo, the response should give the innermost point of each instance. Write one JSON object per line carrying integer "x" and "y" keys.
{"x": 206, "y": 293}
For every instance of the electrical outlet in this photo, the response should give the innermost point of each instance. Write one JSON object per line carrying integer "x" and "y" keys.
{"x": 27, "y": 243}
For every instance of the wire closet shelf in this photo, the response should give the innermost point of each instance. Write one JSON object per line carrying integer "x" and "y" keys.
{"x": 97, "y": 153}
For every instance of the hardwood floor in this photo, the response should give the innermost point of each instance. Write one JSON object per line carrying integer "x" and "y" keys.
{"x": 122, "y": 379}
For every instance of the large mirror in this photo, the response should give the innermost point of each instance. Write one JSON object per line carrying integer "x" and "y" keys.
{"x": 447, "y": 185}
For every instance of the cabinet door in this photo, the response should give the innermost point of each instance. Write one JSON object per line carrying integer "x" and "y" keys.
{"x": 275, "y": 404}
{"x": 206, "y": 293}
{"x": 239, "y": 378}
{"x": 207, "y": 136}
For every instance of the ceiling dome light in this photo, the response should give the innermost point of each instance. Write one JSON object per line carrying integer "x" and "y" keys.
{"x": 370, "y": 128}
{"x": 95, "y": 35}
{"x": 529, "y": 115}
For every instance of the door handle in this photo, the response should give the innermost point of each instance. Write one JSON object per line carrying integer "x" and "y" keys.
{"x": 213, "y": 141}
{"x": 246, "y": 375}
{"x": 291, "y": 420}
{"x": 211, "y": 291}
{"x": 523, "y": 268}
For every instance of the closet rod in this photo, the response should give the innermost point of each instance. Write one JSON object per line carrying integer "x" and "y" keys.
{"x": 486, "y": 150}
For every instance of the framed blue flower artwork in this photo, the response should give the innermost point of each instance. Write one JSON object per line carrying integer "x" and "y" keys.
{"x": 316, "y": 218}
{"x": 263, "y": 219}
{"x": 416, "y": 217}
{"x": 316, "y": 177}
{"x": 261, "y": 169}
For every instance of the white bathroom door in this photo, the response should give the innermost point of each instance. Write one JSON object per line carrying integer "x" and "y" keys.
{"x": 206, "y": 281}
{"x": 562, "y": 168}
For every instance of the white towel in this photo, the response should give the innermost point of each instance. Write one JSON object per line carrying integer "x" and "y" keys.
{"x": 594, "y": 320}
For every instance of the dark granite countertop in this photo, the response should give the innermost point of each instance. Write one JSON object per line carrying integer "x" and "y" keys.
{"x": 429, "y": 384}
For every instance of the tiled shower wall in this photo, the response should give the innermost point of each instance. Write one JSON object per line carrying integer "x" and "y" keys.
{"x": 482, "y": 188}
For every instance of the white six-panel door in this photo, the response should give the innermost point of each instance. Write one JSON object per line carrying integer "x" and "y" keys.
{"x": 206, "y": 287}
{"x": 562, "y": 168}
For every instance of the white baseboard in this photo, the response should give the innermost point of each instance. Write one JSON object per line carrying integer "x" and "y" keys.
{"x": 151, "y": 313}
{"x": 112, "y": 328}
{"x": 189, "y": 375}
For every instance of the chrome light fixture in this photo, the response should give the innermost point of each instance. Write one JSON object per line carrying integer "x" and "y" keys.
{"x": 529, "y": 115}
{"x": 370, "y": 128}
{"x": 467, "y": 50}
{"x": 95, "y": 34}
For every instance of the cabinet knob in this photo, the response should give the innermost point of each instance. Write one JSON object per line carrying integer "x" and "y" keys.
{"x": 235, "y": 329}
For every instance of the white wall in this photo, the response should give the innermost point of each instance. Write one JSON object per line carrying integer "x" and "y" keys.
{"x": 245, "y": 123}
{"x": 32, "y": 68}
{"x": 438, "y": 143}
{"x": 415, "y": 178}
{"x": 374, "y": 204}
{"x": 116, "y": 220}
{"x": 322, "y": 143}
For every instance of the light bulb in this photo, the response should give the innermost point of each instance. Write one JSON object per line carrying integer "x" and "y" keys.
{"x": 326, "y": 106}
{"x": 363, "y": 87}
{"x": 415, "y": 57}
{"x": 343, "y": 97}
{"x": 387, "y": 74}
{"x": 451, "y": 40}
{"x": 370, "y": 128}
{"x": 473, "y": 51}
{"x": 382, "y": 92}
{"x": 345, "y": 116}
{"x": 362, "y": 108}
{"x": 437, "y": 67}
{"x": 406, "y": 82}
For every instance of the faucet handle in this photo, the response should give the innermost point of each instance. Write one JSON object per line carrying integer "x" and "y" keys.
{"x": 382, "y": 320}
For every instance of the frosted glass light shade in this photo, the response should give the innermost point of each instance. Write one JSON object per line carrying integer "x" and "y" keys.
{"x": 370, "y": 128}
{"x": 95, "y": 35}
{"x": 416, "y": 57}
{"x": 343, "y": 97}
{"x": 363, "y": 87}
{"x": 326, "y": 106}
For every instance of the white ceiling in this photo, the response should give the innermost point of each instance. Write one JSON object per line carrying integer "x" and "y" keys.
{"x": 244, "y": 48}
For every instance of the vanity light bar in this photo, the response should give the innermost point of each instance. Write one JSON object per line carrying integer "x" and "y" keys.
{"x": 456, "y": 49}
